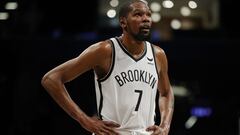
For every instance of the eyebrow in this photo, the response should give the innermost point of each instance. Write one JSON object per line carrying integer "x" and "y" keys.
{"x": 139, "y": 10}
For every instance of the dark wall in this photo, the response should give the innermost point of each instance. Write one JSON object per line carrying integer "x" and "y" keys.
{"x": 29, "y": 109}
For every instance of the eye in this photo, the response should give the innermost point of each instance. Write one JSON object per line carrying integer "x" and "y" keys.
{"x": 137, "y": 14}
{"x": 149, "y": 14}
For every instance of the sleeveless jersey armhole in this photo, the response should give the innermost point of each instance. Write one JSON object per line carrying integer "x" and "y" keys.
{"x": 112, "y": 63}
{"x": 154, "y": 57}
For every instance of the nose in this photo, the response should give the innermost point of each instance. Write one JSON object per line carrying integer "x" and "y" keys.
{"x": 146, "y": 18}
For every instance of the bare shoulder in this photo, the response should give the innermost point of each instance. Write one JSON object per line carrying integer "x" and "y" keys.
{"x": 102, "y": 57}
{"x": 99, "y": 54}
{"x": 159, "y": 52}
{"x": 95, "y": 54}
{"x": 97, "y": 51}
{"x": 102, "y": 48}
{"x": 105, "y": 47}
{"x": 161, "y": 59}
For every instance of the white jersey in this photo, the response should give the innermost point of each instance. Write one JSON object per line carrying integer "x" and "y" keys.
{"x": 126, "y": 95}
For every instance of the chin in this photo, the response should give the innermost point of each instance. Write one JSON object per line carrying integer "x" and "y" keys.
{"x": 142, "y": 36}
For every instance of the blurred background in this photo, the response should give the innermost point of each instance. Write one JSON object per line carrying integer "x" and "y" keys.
{"x": 200, "y": 38}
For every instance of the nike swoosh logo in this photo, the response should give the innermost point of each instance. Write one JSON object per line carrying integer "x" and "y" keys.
{"x": 150, "y": 59}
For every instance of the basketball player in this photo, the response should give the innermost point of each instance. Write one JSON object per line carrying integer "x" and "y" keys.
{"x": 128, "y": 73}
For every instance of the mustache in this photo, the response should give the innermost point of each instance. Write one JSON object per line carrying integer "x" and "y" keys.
{"x": 145, "y": 26}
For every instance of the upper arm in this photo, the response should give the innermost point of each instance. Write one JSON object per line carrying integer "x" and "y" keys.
{"x": 88, "y": 59}
{"x": 162, "y": 67}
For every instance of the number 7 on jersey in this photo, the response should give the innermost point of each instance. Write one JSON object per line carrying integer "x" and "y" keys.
{"x": 139, "y": 99}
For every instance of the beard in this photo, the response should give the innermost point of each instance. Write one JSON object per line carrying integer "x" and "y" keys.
{"x": 142, "y": 35}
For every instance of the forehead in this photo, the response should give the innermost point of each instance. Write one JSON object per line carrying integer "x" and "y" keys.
{"x": 139, "y": 6}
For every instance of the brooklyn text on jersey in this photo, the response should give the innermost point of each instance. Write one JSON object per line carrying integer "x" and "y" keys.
{"x": 137, "y": 76}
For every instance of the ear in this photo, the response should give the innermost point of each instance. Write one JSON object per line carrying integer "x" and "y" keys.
{"x": 123, "y": 22}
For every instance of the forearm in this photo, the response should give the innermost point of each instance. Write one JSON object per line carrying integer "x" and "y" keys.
{"x": 166, "y": 105}
{"x": 58, "y": 92}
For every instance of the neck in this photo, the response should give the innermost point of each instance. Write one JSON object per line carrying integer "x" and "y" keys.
{"x": 133, "y": 46}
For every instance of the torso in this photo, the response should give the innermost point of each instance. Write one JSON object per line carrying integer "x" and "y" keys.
{"x": 126, "y": 93}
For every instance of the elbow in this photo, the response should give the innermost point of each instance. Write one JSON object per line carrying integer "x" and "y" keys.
{"x": 49, "y": 80}
{"x": 45, "y": 80}
{"x": 166, "y": 93}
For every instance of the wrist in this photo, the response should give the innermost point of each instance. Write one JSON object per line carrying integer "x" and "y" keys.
{"x": 164, "y": 125}
{"x": 82, "y": 117}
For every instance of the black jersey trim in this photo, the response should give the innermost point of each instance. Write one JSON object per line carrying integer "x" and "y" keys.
{"x": 154, "y": 57}
{"x": 112, "y": 64}
{"x": 101, "y": 101}
{"x": 125, "y": 50}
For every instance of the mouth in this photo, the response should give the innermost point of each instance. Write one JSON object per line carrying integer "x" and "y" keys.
{"x": 145, "y": 28}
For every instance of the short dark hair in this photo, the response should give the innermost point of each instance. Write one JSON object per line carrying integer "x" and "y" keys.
{"x": 126, "y": 8}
